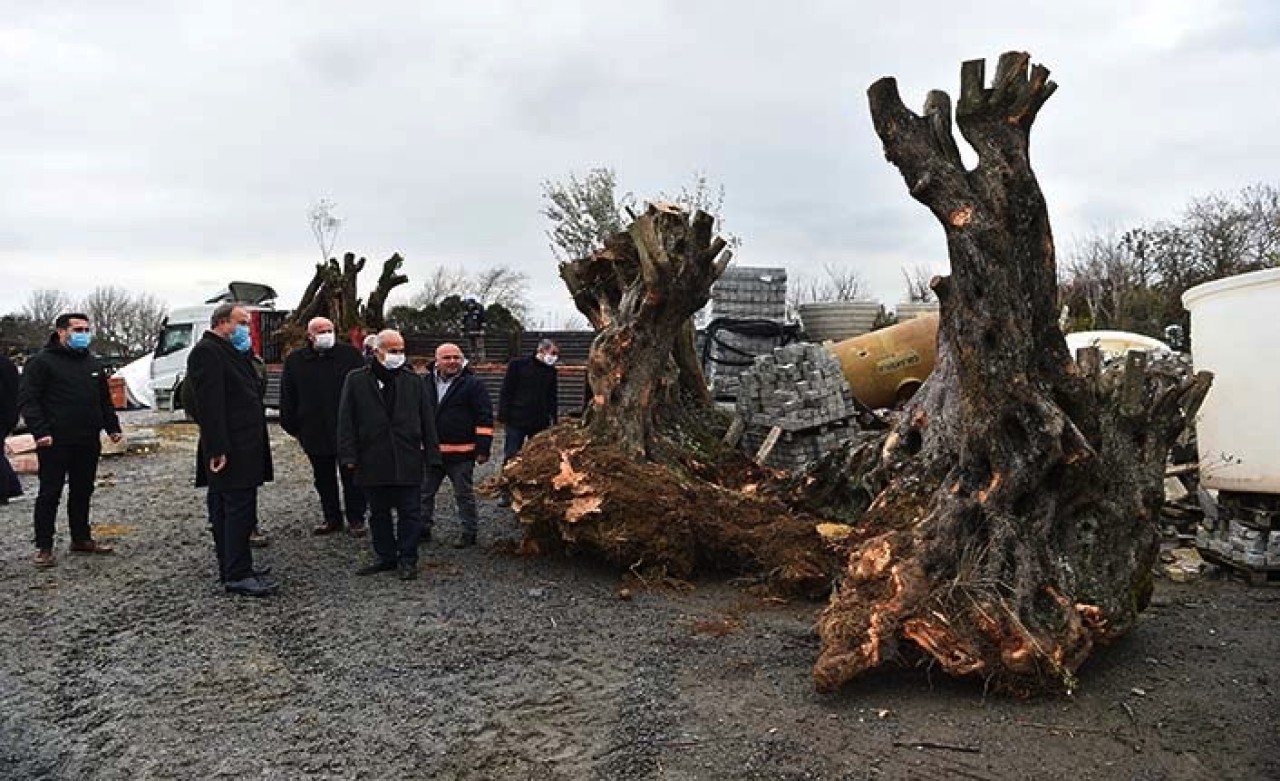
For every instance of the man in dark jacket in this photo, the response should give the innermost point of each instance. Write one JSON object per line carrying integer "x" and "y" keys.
{"x": 386, "y": 436}
{"x": 66, "y": 403}
{"x": 309, "y": 393}
{"x": 464, "y": 420}
{"x": 233, "y": 457}
{"x": 527, "y": 403}
{"x": 9, "y": 484}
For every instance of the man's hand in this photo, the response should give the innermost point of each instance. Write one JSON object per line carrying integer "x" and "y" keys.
{"x": 217, "y": 463}
{"x": 481, "y": 458}
{"x": 116, "y": 437}
{"x": 44, "y": 442}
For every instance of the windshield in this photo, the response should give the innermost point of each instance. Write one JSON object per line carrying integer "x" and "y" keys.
{"x": 174, "y": 338}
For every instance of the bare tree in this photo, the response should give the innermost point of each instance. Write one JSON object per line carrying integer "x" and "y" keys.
{"x": 835, "y": 284}
{"x": 44, "y": 305}
{"x": 124, "y": 323}
{"x": 440, "y": 283}
{"x": 501, "y": 285}
{"x": 324, "y": 226}
{"x": 918, "y": 289}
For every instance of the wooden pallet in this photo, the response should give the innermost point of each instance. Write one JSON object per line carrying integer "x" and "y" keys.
{"x": 1254, "y": 576}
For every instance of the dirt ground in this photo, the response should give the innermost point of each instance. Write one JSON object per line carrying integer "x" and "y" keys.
{"x": 492, "y": 666}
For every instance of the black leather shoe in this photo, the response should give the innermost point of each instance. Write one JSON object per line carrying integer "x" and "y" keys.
{"x": 376, "y": 567}
{"x": 252, "y": 586}
{"x": 465, "y": 541}
{"x": 408, "y": 571}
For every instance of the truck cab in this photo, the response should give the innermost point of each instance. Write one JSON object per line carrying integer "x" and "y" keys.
{"x": 186, "y": 325}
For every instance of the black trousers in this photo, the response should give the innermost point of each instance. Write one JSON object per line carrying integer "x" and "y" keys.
{"x": 72, "y": 465}
{"x": 232, "y": 516}
{"x": 326, "y": 472}
{"x": 396, "y": 542}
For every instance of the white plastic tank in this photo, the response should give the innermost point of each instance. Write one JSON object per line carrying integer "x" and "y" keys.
{"x": 1235, "y": 333}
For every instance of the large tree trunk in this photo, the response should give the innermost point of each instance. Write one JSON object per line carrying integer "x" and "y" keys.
{"x": 333, "y": 294}
{"x": 1013, "y": 521}
{"x": 640, "y": 294}
{"x": 645, "y": 482}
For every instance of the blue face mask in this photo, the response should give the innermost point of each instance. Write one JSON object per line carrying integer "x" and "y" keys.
{"x": 240, "y": 338}
{"x": 79, "y": 340}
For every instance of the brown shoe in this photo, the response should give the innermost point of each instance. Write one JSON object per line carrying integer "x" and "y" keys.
{"x": 258, "y": 540}
{"x": 91, "y": 546}
{"x": 45, "y": 558}
{"x": 325, "y": 529}
{"x": 359, "y": 529}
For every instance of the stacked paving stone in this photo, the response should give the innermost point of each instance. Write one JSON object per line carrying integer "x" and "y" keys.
{"x": 801, "y": 389}
{"x": 743, "y": 293}
{"x": 1247, "y": 542}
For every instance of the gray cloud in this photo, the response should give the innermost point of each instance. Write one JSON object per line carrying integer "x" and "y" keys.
{"x": 174, "y": 148}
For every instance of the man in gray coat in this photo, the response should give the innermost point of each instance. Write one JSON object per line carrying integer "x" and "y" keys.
{"x": 387, "y": 436}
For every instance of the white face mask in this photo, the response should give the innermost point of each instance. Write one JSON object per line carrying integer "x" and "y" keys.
{"x": 393, "y": 361}
{"x": 550, "y": 360}
{"x": 324, "y": 341}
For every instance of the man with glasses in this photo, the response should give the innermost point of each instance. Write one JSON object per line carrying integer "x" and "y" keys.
{"x": 527, "y": 403}
{"x": 66, "y": 403}
{"x": 386, "y": 438}
{"x": 464, "y": 421}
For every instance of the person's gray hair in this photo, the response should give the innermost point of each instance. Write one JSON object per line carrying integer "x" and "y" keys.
{"x": 221, "y": 314}
{"x": 546, "y": 344}
{"x": 371, "y": 341}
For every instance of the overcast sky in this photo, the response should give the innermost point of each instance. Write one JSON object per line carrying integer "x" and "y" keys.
{"x": 174, "y": 146}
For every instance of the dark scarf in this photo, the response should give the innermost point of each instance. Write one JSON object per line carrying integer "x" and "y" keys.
{"x": 388, "y": 379}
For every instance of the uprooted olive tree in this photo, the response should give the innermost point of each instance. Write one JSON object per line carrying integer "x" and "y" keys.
{"x": 1011, "y": 519}
{"x": 333, "y": 293}
{"x": 644, "y": 481}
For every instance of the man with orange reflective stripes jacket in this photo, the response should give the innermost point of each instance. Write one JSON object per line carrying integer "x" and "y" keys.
{"x": 464, "y": 423}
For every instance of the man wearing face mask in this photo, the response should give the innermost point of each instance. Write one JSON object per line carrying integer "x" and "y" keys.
{"x": 309, "y": 392}
{"x": 66, "y": 403}
{"x": 233, "y": 457}
{"x": 386, "y": 437}
{"x": 464, "y": 420}
{"x": 527, "y": 403}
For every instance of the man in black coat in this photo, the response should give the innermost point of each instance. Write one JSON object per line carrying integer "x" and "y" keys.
{"x": 66, "y": 403}
{"x": 387, "y": 437}
{"x": 528, "y": 402}
{"x": 233, "y": 457}
{"x": 309, "y": 393}
{"x": 9, "y": 484}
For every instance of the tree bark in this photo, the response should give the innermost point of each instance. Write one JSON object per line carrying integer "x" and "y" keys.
{"x": 1013, "y": 521}
{"x": 333, "y": 293}
{"x": 640, "y": 293}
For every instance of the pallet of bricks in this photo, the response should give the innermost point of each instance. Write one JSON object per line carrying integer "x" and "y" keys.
{"x": 1244, "y": 537}
{"x": 743, "y": 293}
{"x": 801, "y": 391}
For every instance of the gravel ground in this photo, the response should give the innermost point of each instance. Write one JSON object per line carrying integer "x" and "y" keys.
{"x": 136, "y": 666}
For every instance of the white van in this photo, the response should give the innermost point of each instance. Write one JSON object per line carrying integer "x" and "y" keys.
{"x": 186, "y": 325}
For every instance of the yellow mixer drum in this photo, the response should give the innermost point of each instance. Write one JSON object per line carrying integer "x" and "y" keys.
{"x": 886, "y": 366}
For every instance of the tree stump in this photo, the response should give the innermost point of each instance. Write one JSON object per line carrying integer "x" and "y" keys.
{"x": 333, "y": 294}
{"x": 1012, "y": 513}
{"x": 645, "y": 481}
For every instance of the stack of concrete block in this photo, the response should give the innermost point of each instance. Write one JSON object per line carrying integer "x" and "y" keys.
{"x": 908, "y": 310}
{"x": 750, "y": 293}
{"x": 800, "y": 389}
{"x": 743, "y": 293}
{"x": 1251, "y": 542}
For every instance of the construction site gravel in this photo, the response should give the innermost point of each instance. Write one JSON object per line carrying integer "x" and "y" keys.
{"x": 494, "y": 665}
